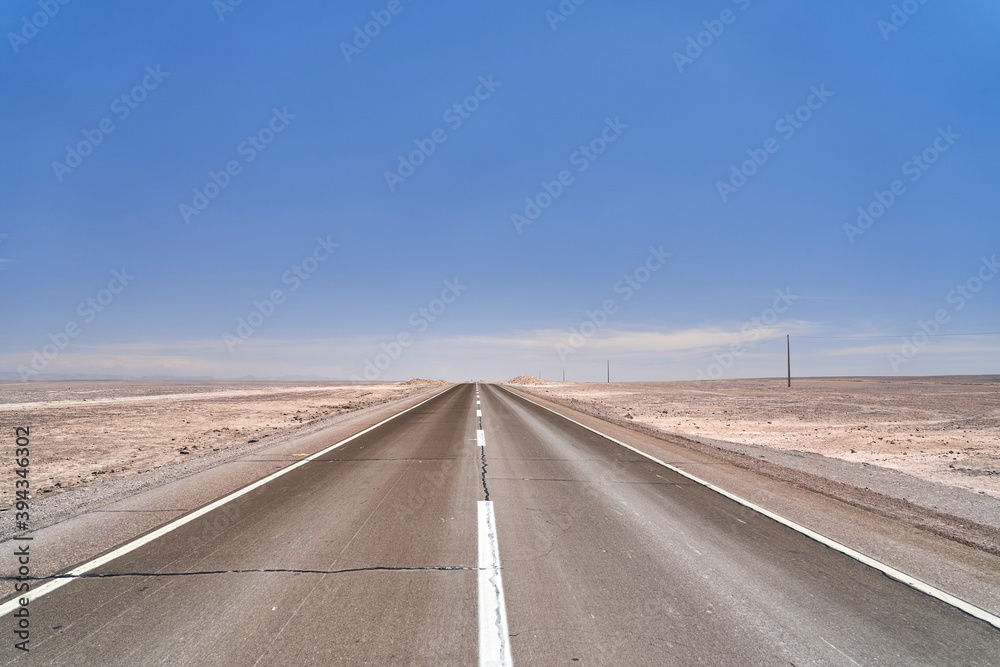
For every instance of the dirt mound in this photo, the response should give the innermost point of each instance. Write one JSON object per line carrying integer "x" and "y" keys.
{"x": 527, "y": 379}
{"x": 422, "y": 381}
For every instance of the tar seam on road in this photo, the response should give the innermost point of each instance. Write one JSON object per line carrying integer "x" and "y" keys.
{"x": 135, "y": 511}
{"x": 481, "y": 443}
{"x": 375, "y": 568}
{"x": 486, "y": 489}
{"x": 14, "y": 603}
{"x": 888, "y": 570}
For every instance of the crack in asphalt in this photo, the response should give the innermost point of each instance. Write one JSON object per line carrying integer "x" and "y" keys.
{"x": 175, "y": 509}
{"x": 377, "y": 568}
{"x": 587, "y": 481}
{"x": 424, "y": 458}
{"x": 486, "y": 489}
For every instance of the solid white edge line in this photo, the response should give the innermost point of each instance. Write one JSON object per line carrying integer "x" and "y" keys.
{"x": 66, "y": 578}
{"x": 887, "y": 570}
{"x": 494, "y": 649}
{"x": 480, "y": 438}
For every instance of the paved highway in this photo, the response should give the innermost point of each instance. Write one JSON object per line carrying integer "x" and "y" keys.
{"x": 385, "y": 551}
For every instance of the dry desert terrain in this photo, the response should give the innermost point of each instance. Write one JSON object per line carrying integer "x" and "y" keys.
{"x": 85, "y": 431}
{"x": 942, "y": 429}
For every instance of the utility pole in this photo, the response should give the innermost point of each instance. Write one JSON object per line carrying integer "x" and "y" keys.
{"x": 564, "y": 375}
{"x": 609, "y": 371}
{"x": 788, "y": 344}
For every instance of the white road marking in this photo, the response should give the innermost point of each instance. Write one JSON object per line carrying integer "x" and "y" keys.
{"x": 52, "y": 585}
{"x": 479, "y": 413}
{"x": 494, "y": 645}
{"x": 480, "y": 438}
{"x": 887, "y": 570}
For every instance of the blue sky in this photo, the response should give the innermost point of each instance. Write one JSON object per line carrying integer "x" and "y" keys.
{"x": 554, "y": 86}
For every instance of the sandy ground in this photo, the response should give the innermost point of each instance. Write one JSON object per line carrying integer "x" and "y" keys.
{"x": 942, "y": 429}
{"x": 85, "y": 431}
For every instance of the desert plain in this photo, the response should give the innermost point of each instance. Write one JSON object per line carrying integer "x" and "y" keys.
{"x": 84, "y": 432}
{"x": 942, "y": 429}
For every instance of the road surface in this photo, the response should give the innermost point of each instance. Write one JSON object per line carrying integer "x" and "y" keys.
{"x": 383, "y": 551}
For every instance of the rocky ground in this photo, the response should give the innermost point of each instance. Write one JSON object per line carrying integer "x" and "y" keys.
{"x": 941, "y": 429}
{"x": 81, "y": 432}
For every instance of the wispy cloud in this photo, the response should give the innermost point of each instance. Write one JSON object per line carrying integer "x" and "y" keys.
{"x": 938, "y": 347}
{"x": 626, "y": 341}
{"x": 339, "y": 357}
{"x": 647, "y": 353}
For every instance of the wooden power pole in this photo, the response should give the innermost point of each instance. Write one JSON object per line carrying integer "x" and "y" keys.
{"x": 788, "y": 345}
{"x": 609, "y": 371}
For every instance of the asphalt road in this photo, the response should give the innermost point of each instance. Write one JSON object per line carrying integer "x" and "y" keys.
{"x": 373, "y": 554}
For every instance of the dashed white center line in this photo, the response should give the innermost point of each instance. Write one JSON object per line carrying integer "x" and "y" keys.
{"x": 494, "y": 648}
{"x": 494, "y": 638}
